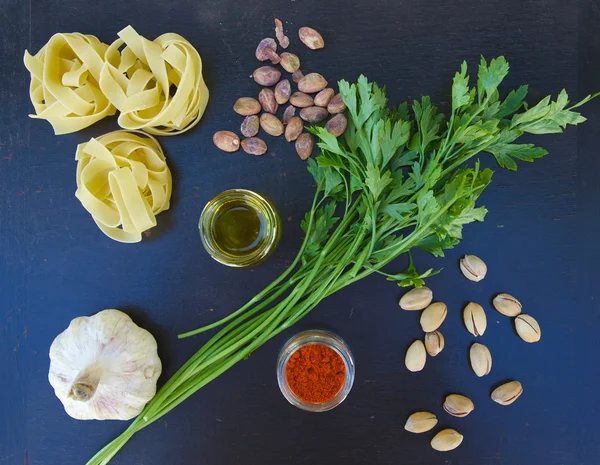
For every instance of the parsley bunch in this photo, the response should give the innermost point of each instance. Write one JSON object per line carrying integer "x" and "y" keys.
{"x": 394, "y": 181}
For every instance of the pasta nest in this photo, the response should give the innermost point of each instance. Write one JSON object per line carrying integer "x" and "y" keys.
{"x": 123, "y": 181}
{"x": 156, "y": 85}
{"x": 64, "y": 87}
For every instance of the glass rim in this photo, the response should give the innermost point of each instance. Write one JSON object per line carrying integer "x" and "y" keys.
{"x": 315, "y": 336}
{"x": 266, "y": 210}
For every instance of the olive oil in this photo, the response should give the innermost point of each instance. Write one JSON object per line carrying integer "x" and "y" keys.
{"x": 239, "y": 228}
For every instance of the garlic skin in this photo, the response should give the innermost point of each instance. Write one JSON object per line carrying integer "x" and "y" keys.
{"x": 104, "y": 367}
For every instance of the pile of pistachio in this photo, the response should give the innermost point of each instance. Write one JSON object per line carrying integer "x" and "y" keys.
{"x": 475, "y": 320}
{"x": 277, "y": 92}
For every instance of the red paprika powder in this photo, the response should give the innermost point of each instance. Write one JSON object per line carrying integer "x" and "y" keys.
{"x": 315, "y": 373}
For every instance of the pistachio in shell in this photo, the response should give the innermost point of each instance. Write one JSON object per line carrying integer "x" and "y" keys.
{"x": 475, "y": 319}
{"x": 434, "y": 343}
{"x": 416, "y": 299}
{"x": 420, "y": 422}
{"x": 458, "y": 405}
{"x": 415, "y": 356}
{"x": 528, "y": 328}
{"x": 433, "y": 316}
{"x": 507, "y": 393}
{"x": 481, "y": 359}
{"x": 446, "y": 440}
{"x": 507, "y": 304}
{"x": 473, "y": 268}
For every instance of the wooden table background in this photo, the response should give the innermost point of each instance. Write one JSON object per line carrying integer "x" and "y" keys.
{"x": 539, "y": 240}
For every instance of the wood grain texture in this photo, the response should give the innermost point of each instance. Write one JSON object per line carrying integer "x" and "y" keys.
{"x": 539, "y": 242}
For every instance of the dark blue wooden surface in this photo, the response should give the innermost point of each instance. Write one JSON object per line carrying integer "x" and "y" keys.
{"x": 539, "y": 240}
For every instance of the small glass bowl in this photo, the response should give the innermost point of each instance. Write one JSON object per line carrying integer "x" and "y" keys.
{"x": 264, "y": 209}
{"x": 329, "y": 339}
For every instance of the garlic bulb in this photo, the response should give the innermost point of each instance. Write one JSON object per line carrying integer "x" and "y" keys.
{"x": 104, "y": 367}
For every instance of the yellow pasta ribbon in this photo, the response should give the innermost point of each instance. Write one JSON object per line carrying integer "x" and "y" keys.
{"x": 156, "y": 85}
{"x": 123, "y": 181}
{"x": 64, "y": 87}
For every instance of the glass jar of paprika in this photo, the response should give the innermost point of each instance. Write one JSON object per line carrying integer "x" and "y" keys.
{"x": 315, "y": 370}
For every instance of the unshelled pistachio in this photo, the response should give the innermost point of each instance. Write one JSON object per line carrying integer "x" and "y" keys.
{"x": 336, "y": 105}
{"x": 415, "y": 356}
{"x": 337, "y": 125}
{"x": 481, "y": 359}
{"x": 263, "y": 46}
{"x": 507, "y": 393}
{"x": 288, "y": 114}
{"x": 447, "y": 439}
{"x": 458, "y": 405}
{"x": 250, "y": 126}
{"x": 473, "y": 267}
{"x": 416, "y": 299}
{"x": 304, "y": 145}
{"x": 227, "y": 141}
{"x": 433, "y": 316}
{"x": 528, "y": 328}
{"x": 301, "y": 100}
{"x": 294, "y": 128}
{"x": 283, "y": 90}
{"x": 271, "y": 125}
{"x": 254, "y": 146}
{"x": 266, "y": 76}
{"x": 290, "y": 62}
{"x": 323, "y": 98}
{"x": 420, "y": 422}
{"x": 266, "y": 97}
{"x": 475, "y": 319}
{"x": 311, "y": 83}
{"x": 434, "y": 343}
{"x": 507, "y": 304}
{"x": 246, "y": 106}
{"x": 313, "y": 114}
{"x": 311, "y": 38}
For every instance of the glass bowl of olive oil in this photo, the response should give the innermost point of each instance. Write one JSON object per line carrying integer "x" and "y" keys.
{"x": 239, "y": 228}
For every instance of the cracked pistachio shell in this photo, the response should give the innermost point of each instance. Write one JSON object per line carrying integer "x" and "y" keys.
{"x": 507, "y": 304}
{"x": 481, "y": 359}
{"x": 434, "y": 343}
{"x": 415, "y": 356}
{"x": 420, "y": 422}
{"x": 473, "y": 267}
{"x": 475, "y": 319}
{"x": 528, "y": 328}
{"x": 458, "y": 405}
{"x": 416, "y": 299}
{"x": 447, "y": 439}
{"x": 433, "y": 316}
{"x": 507, "y": 393}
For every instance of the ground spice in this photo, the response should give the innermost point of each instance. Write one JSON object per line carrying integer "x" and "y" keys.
{"x": 315, "y": 373}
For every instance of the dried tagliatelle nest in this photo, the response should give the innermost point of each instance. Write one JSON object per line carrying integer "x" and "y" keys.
{"x": 123, "y": 181}
{"x": 64, "y": 87}
{"x": 157, "y": 85}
